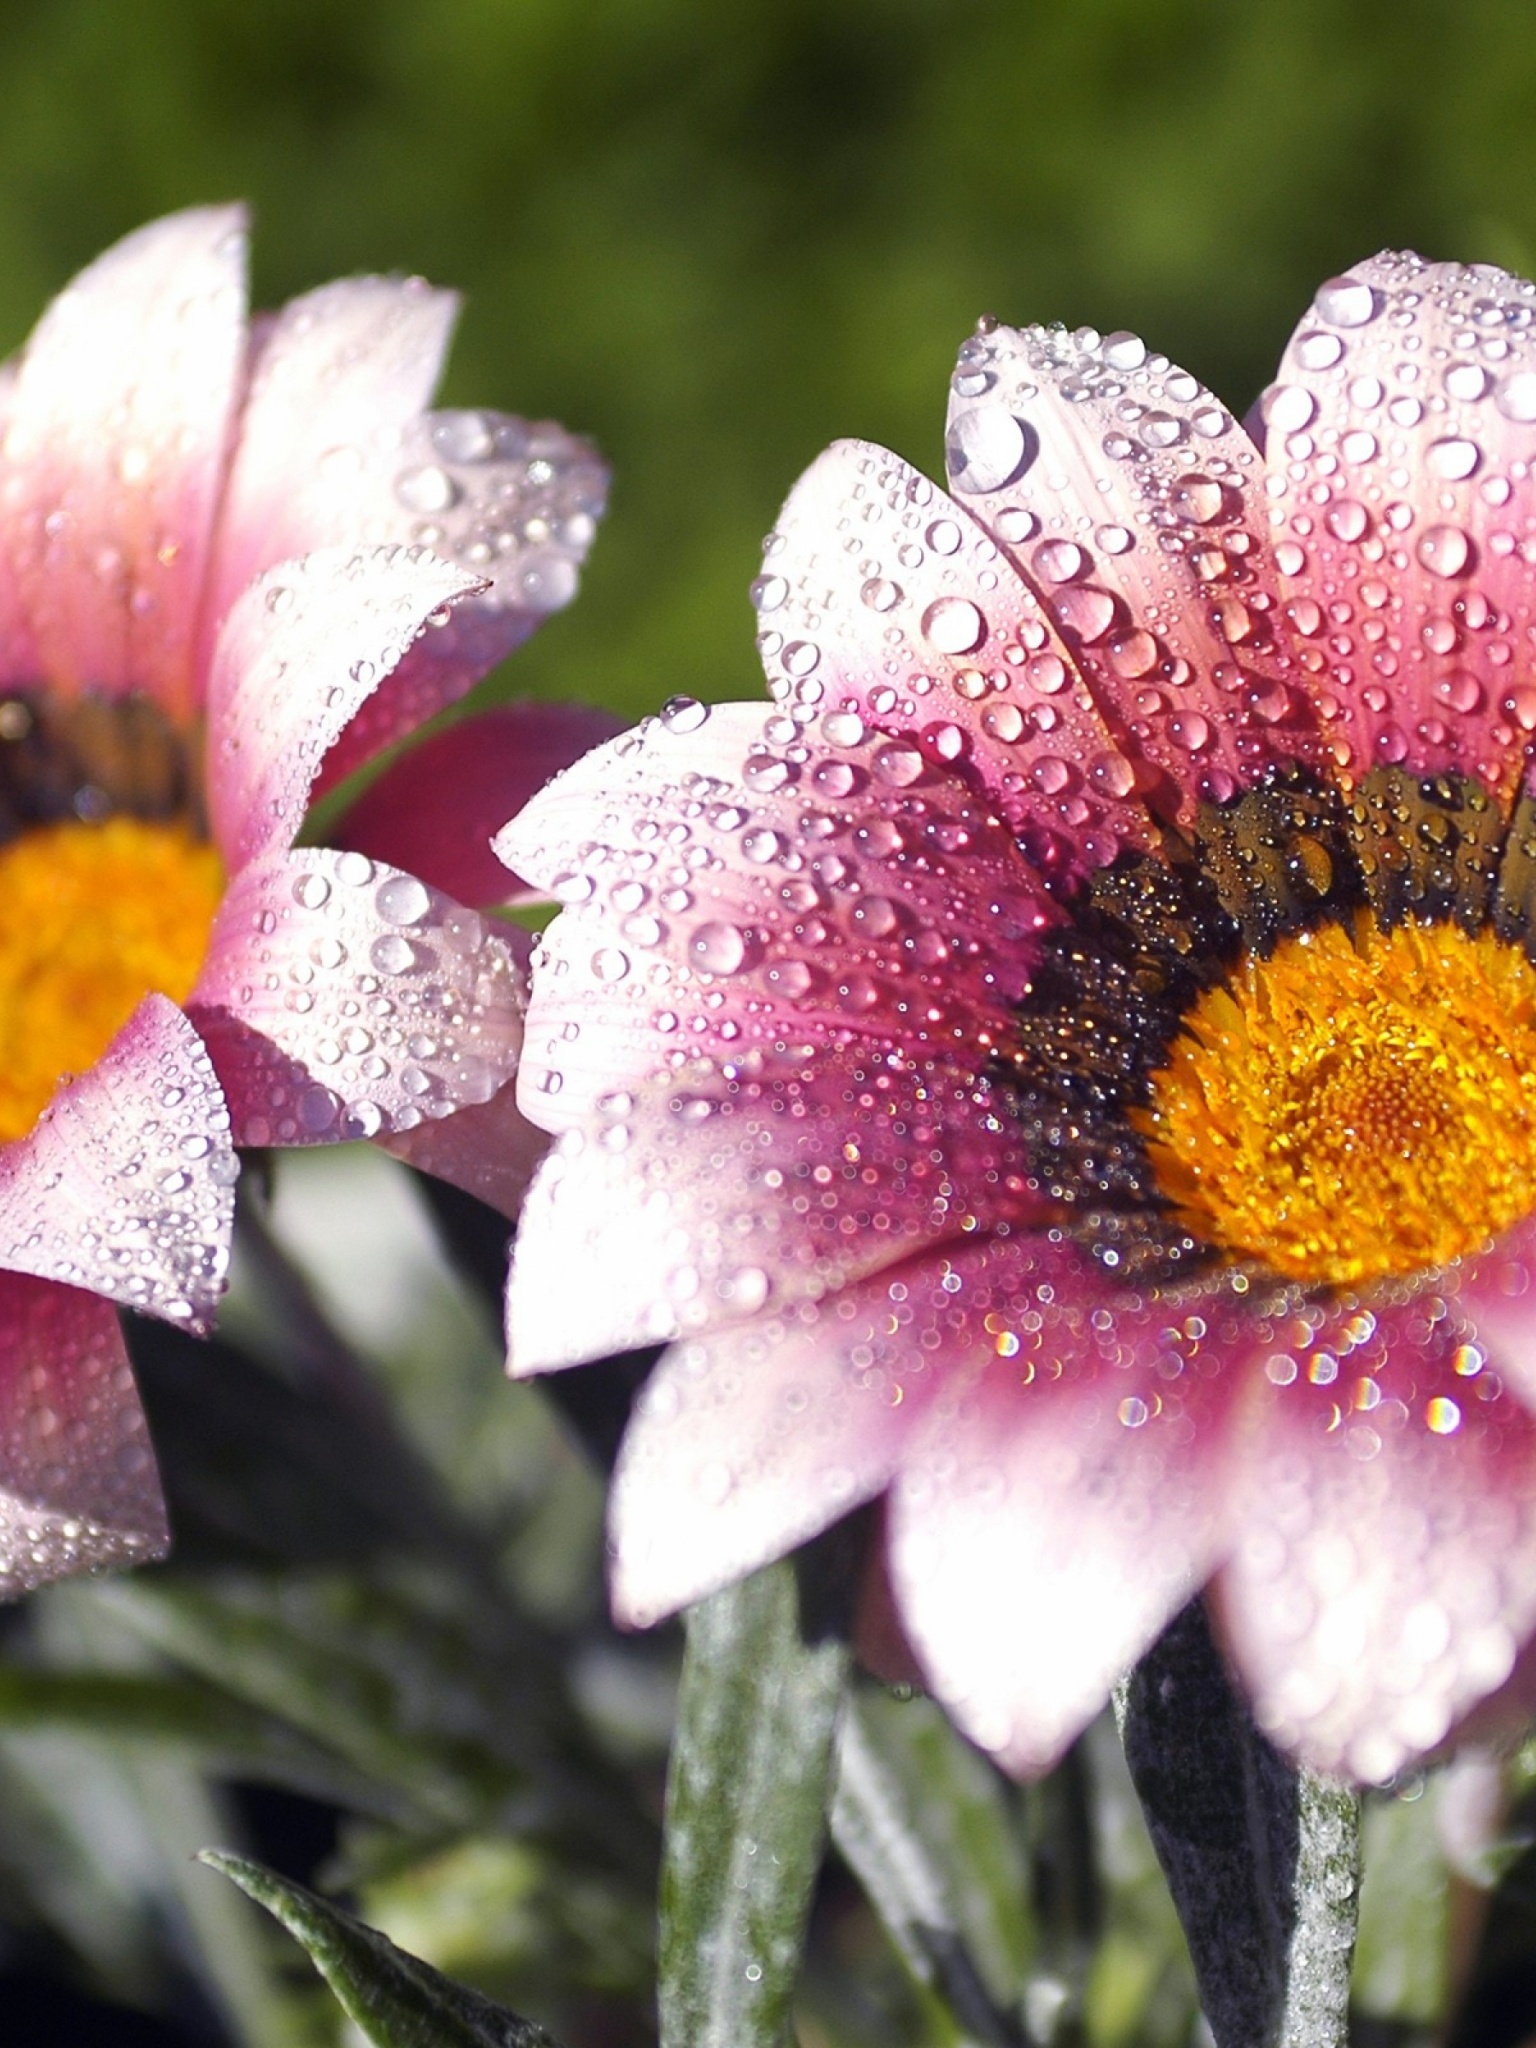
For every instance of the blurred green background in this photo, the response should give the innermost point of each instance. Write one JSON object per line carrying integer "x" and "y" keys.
{"x": 718, "y": 236}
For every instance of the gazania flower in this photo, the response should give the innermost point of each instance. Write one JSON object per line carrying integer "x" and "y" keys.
{"x": 1070, "y": 1067}
{"x": 176, "y": 978}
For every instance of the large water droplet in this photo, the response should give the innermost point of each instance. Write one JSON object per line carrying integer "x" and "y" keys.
{"x": 1444, "y": 550}
{"x": 954, "y": 625}
{"x": 1345, "y": 302}
{"x": 1516, "y": 397}
{"x": 1452, "y": 458}
{"x": 718, "y": 947}
{"x": 1287, "y": 407}
{"x": 987, "y": 448}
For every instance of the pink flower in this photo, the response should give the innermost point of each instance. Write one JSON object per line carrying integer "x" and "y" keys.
{"x": 1070, "y": 1067}
{"x": 176, "y": 977}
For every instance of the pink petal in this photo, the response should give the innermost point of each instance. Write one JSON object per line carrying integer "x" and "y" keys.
{"x": 78, "y": 1488}
{"x": 336, "y": 448}
{"x": 344, "y": 999}
{"x": 1398, "y": 450}
{"x": 437, "y": 808}
{"x": 1064, "y": 1496}
{"x": 514, "y": 501}
{"x": 728, "y": 890}
{"x": 748, "y": 1442}
{"x": 303, "y": 647}
{"x": 881, "y": 600}
{"x": 707, "y": 1197}
{"x": 1385, "y": 1572}
{"x": 487, "y": 1148}
{"x": 337, "y": 377}
{"x": 114, "y": 456}
{"x": 126, "y": 1184}
{"x": 1133, "y": 501}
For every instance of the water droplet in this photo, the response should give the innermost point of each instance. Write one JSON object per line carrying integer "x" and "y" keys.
{"x": 769, "y": 592}
{"x": 1013, "y": 525}
{"x": 1196, "y": 498}
{"x": 1086, "y": 611}
{"x": 311, "y": 892}
{"x": 898, "y": 764}
{"x": 428, "y": 489}
{"x": 1058, "y": 561}
{"x": 1444, "y": 550}
{"x": 1345, "y": 302}
{"x": 392, "y": 954}
{"x": 1124, "y": 351}
{"x": 1347, "y": 519}
{"x": 1516, "y": 397}
{"x": 402, "y": 900}
{"x": 881, "y": 594}
{"x": 1318, "y": 351}
{"x": 683, "y": 714}
{"x": 1287, "y": 408}
{"x": 1452, "y": 458}
{"x": 988, "y": 448}
{"x": 954, "y": 625}
{"x": 610, "y": 964}
{"x": 944, "y": 536}
{"x": 718, "y": 947}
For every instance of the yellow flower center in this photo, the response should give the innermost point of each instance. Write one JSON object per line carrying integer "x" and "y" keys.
{"x": 1359, "y": 1104}
{"x": 92, "y": 919}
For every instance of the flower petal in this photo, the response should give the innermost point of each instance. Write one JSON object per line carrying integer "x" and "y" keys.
{"x": 711, "y": 1195}
{"x": 487, "y": 1148}
{"x": 78, "y": 1488}
{"x": 515, "y": 502}
{"x": 435, "y": 811}
{"x": 1385, "y": 1571}
{"x": 343, "y": 999}
{"x": 1132, "y": 500}
{"x": 881, "y": 600}
{"x": 746, "y": 1443}
{"x": 303, "y": 647}
{"x": 1405, "y": 597}
{"x": 730, "y": 888}
{"x": 114, "y": 455}
{"x": 1065, "y": 1495}
{"x": 337, "y": 377}
{"x": 126, "y": 1184}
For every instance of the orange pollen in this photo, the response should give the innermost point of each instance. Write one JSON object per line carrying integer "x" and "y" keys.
{"x": 1359, "y": 1104}
{"x": 92, "y": 919}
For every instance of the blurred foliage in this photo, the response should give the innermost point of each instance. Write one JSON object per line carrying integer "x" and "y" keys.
{"x": 716, "y": 239}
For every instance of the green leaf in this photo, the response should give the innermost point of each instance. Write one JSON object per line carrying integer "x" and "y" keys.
{"x": 746, "y": 1803}
{"x": 397, "y": 2000}
{"x": 1403, "y": 1955}
{"x": 1262, "y": 1858}
{"x": 411, "y": 1699}
{"x": 920, "y": 1820}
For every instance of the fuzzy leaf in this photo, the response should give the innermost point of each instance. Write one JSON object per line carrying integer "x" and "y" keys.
{"x": 397, "y": 2000}
{"x": 913, "y": 1819}
{"x": 1262, "y": 1858}
{"x": 746, "y": 1804}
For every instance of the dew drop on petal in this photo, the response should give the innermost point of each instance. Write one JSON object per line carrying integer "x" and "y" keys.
{"x": 683, "y": 714}
{"x": 1287, "y": 407}
{"x": 988, "y": 448}
{"x": 718, "y": 947}
{"x": 954, "y": 625}
{"x": 1516, "y": 397}
{"x": 1452, "y": 458}
{"x": 1444, "y": 550}
{"x": 1345, "y": 302}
